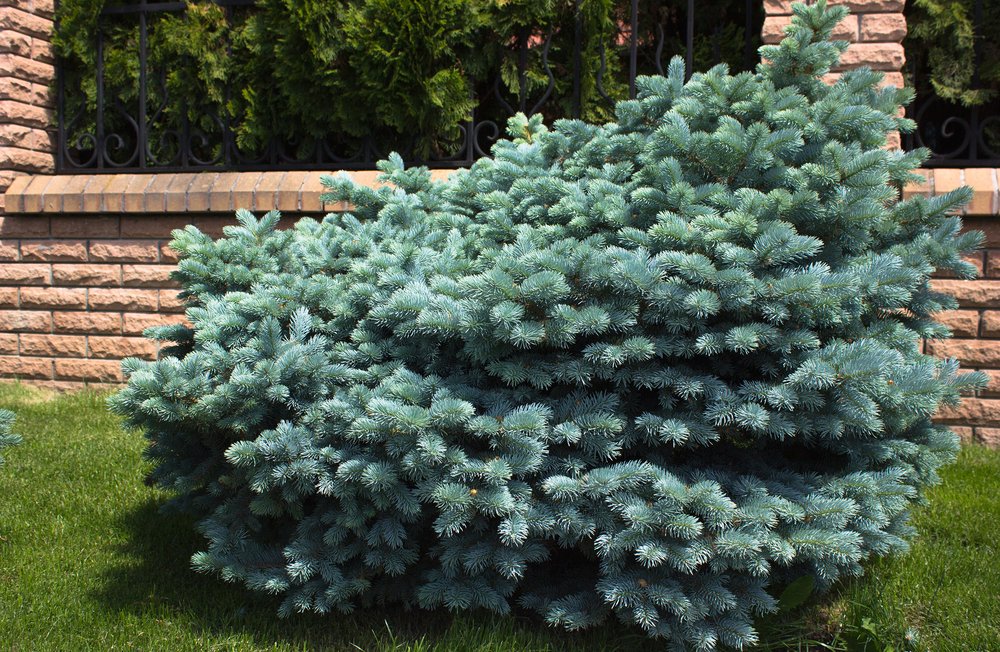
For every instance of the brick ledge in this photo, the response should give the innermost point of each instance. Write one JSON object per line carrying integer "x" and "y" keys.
{"x": 295, "y": 191}
{"x": 180, "y": 192}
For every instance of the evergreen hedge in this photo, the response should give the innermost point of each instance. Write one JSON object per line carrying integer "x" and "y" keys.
{"x": 400, "y": 71}
{"x": 7, "y": 438}
{"x": 655, "y": 369}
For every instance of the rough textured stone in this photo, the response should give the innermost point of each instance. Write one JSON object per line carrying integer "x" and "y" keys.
{"x": 87, "y": 322}
{"x": 972, "y": 412}
{"x": 971, "y": 294}
{"x": 963, "y": 323}
{"x": 65, "y": 346}
{"x": 86, "y": 275}
{"x": 971, "y": 353}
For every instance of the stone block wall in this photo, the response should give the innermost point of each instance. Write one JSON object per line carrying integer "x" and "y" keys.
{"x": 27, "y": 71}
{"x": 85, "y": 261}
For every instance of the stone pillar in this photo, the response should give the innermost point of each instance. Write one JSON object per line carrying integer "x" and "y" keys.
{"x": 875, "y": 30}
{"x": 27, "y": 95}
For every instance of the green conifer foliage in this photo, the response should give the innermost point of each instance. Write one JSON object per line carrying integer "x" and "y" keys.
{"x": 6, "y": 437}
{"x": 653, "y": 369}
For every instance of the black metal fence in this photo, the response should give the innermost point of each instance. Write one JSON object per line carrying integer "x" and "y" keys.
{"x": 957, "y": 135}
{"x": 123, "y": 131}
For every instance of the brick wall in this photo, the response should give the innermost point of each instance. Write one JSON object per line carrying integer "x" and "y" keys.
{"x": 85, "y": 263}
{"x": 976, "y": 324}
{"x": 26, "y": 101}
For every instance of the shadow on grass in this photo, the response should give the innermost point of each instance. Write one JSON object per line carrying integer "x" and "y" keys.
{"x": 154, "y": 580}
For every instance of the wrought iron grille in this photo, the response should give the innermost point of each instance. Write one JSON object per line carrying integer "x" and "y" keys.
{"x": 125, "y": 131}
{"x": 956, "y": 135}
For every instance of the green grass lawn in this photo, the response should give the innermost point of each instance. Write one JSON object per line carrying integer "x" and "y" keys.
{"x": 89, "y": 562}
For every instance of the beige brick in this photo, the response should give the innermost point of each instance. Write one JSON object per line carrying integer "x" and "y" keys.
{"x": 123, "y": 251}
{"x": 117, "y": 348}
{"x": 175, "y": 196}
{"x": 243, "y": 189}
{"x": 965, "y": 433}
{"x": 972, "y": 412}
{"x": 113, "y": 194}
{"x": 13, "y": 42}
{"x": 155, "y": 276}
{"x": 122, "y": 299}
{"x": 991, "y": 323}
{"x": 80, "y": 226}
{"x": 170, "y": 302}
{"x": 25, "y": 137}
{"x": 86, "y": 275}
{"x": 26, "y": 226}
{"x": 309, "y": 194}
{"x": 92, "y": 370}
{"x": 25, "y": 22}
{"x": 992, "y": 269}
{"x": 877, "y": 56}
{"x": 16, "y": 158}
{"x": 25, "y": 321}
{"x": 970, "y": 294}
{"x": 883, "y": 27}
{"x": 136, "y": 323}
{"x": 9, "y": 344}
{"x": 15, "y": 89}
{"x": 72, "y": 192}
{"x": 12, "y": 111}
{"x": 168, "y": 255}
{"x": 15, "y": 190}
{"x": 87, "y": 322}
{"x": 288, "y": 192}
{"x": 10, "y": 250}
{"x": 9, "y": 297}
{"x": 92, "y": 196}
{"x": 21, "y": 367}
{"x": 155, "y": 200}
{"x": 134, "y": 195}
{"x": 52, "y": 198}
{"x": 198, "y": 191}
{"x": 54, "y": 250}
{"x": 42, "y": 50}
{"x": 963, "y": 323}
{"x": 988, "y": 436}
{"x": 49, "y": 297}
{"x": 220, "y": 197}
{"x": 31, "y": 195}
{"x": 970, "y": 353}
{"x": 59, "y": 346}
{"x": 25, "y": 274}
{"x": 993, "y": 387}
{"x": 265, "y": 195}
{"x": 983, "y": 182}
{"x": 28, "y": 69}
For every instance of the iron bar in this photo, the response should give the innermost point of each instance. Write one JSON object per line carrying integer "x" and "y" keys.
{"x": 550, "y": 76}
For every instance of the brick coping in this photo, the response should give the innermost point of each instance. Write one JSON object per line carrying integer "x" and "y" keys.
{"x": 298, "y": 191}
{"x": 177, "y": 192}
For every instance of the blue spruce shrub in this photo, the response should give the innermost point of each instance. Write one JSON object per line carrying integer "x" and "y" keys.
{"x": 7, "y": 438}
{"x": 655, "y": 368}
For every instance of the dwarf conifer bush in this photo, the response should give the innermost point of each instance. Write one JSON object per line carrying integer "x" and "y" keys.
{"x": 656, "y": 368}
{"x": 7, "y": 438}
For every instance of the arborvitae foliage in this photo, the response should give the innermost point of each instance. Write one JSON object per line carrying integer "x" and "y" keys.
{"x": 655, "y": 368}
{"x": 6, "y": 437}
